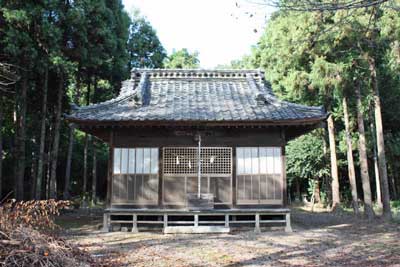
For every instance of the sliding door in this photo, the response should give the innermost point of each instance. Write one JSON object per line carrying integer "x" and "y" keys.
{"x": 259, "y": 175}
{"x": 180, "y": 174}
{"x": 135, "y": 176}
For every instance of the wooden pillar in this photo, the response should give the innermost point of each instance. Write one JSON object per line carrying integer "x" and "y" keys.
{"x": 110, "y": 170}
{"x": 160, "y": 178}
{"x": 106, "y": 223}
{"x": 257, "y": 224}
{"x": 284, "y": 182}
{"x": 283, "y": 165}
{"x": 226, "y": 220}
{"x": 288, "y": 227}
{"x": 234, "y": 199}
{"x": 134, "y": 224}
{"x": 165, "y": 221}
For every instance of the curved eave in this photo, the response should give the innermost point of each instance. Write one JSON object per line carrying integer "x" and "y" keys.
{"x": 166, "y": 123}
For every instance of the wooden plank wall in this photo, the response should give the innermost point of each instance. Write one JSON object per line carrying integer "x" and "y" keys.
{"x": 232, "y": 137}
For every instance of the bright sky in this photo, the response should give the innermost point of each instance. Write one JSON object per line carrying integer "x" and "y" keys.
{"x": 217, "y": 29}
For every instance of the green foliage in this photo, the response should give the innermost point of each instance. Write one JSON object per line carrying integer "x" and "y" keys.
{"x": 144, "y": 47}
{"x": 316, "y": 58}
{"x": 306, "y": 158}
{"x": 182, "y": 59}
{"x": 243, "y": 63}
{"x": 89, "y": 42}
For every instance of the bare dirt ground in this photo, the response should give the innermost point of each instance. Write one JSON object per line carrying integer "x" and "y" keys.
{"x": 318, "y": 239}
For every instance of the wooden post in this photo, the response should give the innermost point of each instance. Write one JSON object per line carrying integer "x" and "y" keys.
{"x": 134, "y": 224}
{"x": 288, "y": 228}
{"x": 226, "y": 220}
{"x": 106, "y": 226}
{"x": 233, "y": 177}
{"x": 110, "y": 170}
{"x": 165, "y": 221}
{"x": 257, "y": 227}
{"x": 160, "y": 177}
{"x": 196, "y": 220}
{"x": 284, "y": 182}
{"x": 199, "y": 168}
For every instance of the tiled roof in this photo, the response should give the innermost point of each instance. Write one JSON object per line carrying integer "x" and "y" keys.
{"x": 163, "y": 95}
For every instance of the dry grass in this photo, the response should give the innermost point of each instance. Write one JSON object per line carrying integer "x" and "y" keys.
{"x": 28, "y": 236}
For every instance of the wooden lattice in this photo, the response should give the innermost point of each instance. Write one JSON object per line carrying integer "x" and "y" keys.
{"x": 184, "y": 160}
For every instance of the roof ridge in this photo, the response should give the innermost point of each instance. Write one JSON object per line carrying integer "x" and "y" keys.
{"x": 125, "y": 94}
{"x": 266, "y": 94}
{"x": 197, "y": 73}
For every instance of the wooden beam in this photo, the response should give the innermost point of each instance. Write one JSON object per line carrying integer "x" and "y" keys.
{"x": 173, "y": 123}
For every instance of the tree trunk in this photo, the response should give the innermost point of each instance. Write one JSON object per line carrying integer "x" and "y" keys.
{"x": 85, "y": 149}
{"x": 39, "y": 176}
{"x": 47, "y": 188}
{"x": 317, "y": 191}
{"x": 1, "y": 147}
{"x": 326, "y": 179}
{"x": 380, "y": 142}
{"x": 33, "y": 172}
{"x": 20, "y": 138}
{"x": 376, "y": 168}
{"x": 362, "y": 148}
{"x": 350, "y": 160}
{"x": 298, "y": 191}
{"x": 392, "y": 184}
{"x": 334, "y": 166}
{"x": 56, "y": 139}
{"x": 94, "y": 173}
{"x": 66, "y": 194}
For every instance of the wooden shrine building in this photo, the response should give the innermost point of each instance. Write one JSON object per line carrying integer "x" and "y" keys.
{"x": 196, "y": 150}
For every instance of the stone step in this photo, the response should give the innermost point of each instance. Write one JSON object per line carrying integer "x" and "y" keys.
{"x": 195, "y": 229}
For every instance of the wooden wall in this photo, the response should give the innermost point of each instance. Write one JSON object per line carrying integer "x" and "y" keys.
{"x": 161, "y": 137}
{"x": 231, "y": 137}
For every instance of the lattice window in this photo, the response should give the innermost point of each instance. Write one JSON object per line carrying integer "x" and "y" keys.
{"x": 184, "y": 160}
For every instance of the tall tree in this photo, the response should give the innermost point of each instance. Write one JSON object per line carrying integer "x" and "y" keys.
{"x": 350, "y": 160}
{"x": 21, "y": 137}
{"x": 17, "y": 43}
{"x": 334, "y": 164}
{"x": 56, "y": 137}
{"x": 67, "y": 181}
{"x": 39, "y": 175}
{"x": 182, "y": 59}
{"x": 363, "y": 156}
{"x": 144, "y": 47}
{"x": 387, "y": 213}
{"x": 375, "y": 157}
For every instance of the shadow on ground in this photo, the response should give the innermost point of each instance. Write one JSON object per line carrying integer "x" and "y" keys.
{"x": 319, "y": 239}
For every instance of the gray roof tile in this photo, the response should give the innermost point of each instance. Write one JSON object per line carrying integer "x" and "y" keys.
{"x": 196, "y": 95}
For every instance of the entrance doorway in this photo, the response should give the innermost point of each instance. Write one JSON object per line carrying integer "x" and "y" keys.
{"x": 180, "y": 174}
